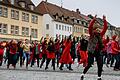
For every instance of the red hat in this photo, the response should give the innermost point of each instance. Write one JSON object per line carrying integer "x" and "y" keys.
{"x": 114, "y": 37}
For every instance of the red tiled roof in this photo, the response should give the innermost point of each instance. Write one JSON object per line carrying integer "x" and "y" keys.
{"x": 52, "y": 9}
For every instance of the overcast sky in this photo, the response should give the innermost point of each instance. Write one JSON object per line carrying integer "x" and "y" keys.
{"x": 110, "y": 8}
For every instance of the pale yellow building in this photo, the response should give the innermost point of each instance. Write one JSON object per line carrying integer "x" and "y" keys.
{"x": 19, "y": 20}
{"x": 78, "y": 30}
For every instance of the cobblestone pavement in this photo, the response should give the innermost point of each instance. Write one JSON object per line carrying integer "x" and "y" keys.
{"x": 35, "y": 73}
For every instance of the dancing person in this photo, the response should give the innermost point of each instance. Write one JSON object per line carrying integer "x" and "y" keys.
{"x": 66, "y": 56}
{"x": 95, "y": 46}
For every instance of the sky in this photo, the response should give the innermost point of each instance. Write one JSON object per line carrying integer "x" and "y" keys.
{"x": 109, "y": 8}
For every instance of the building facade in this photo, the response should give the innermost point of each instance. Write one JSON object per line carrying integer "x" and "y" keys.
{"x": 60, "y": 21}
{"x": 19, "y": 20}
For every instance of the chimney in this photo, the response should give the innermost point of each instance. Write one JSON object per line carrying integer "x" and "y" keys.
{"x": 77, "y": 10}
{"x": 45, "y": 0}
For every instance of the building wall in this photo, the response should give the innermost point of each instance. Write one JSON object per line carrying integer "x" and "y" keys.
{"x": 52, "y": 31}
{"x": 65, "y": 30}
{"x": 78, "y": 30}
{"x": 47, "y": 32}
{"x": 21, "y": 24}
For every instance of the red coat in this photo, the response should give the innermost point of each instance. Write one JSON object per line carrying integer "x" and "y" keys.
{"x": 115, "y": 47}
{"x": 44, "y": 48}
{"x": 51, "y": 55}
{"x": 13, "y": 48}
{"x": 105, "y": 41}
{"x": 1, "y": 51}
{"x": 66, "y": 57}
{"x": 57, "y": 46}
{"x": 90, "y": 28}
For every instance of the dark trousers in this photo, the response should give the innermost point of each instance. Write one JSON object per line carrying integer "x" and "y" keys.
{"x": 1, "y": 60}
{"x": 109, "y": 58}
{"x": 21, "y": 58}
{"x": 53, "y": 63}
{"x": 43, "y": 60}
{"x": 57, "y": 57}
{"x": 112, "y": 60}
{"x": 35, "y": 56}
{"x": 99, "y": 60}
{"x": 116, "y": 57}
{"x": 11, "y": 60}
{"x": 68, "y": 67}
{"x": 78, "y": 56}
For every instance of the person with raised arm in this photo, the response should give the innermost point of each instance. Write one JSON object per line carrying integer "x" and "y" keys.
{"x": 95, "y": 46}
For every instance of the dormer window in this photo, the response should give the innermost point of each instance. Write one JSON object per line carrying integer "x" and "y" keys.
{"x": 22, "y": 4}
{"x": 12, "y": 2}
{"x": 56, "y": 16}
{"x": 78, "y": 21}
{"x": 31, "y": 7}
{"x": 62, "y": 17}
{"x": 75, "y": 21}
{"x": 66, "y": 19}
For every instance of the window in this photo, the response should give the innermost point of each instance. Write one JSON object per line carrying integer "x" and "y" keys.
{"x": 17, "y": 30}
{"x": 78, "y": 21}
{"x": 34, "y": 33}
{"x": 12, "y": 1}
{"x": 12, "y": 14}
{"x": 14, "y": 30}
{"x": 5, "y": 12}
{"x": 62, "y": 27}
{"x": 65, "y": 28}
{"x": 25, "y": 31}
{"x": 57, "y": 26}
{"x": 32, "y": 7}
{"x": 17, "y": 14}
{"x": 25, "y": 17}
{"x": 22, "y": 4}
{"x": 0, "y": 11}
{"x": 4, "y": 28}
{"x": 47, "y": 26}
{"x": 34, "y": 19}
{"x": 68, "y": 28}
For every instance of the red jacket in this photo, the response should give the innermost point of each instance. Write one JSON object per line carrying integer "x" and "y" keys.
{"x": 115, "y": 47}
{"x": 66, "y": 57}
{"x": 91, "y": 32}
{"x": 90, "y": 28}
{"x": 1, "y": 51}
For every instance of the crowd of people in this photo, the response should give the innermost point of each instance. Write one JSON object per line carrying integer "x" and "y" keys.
{"x": 85, "y": 50}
